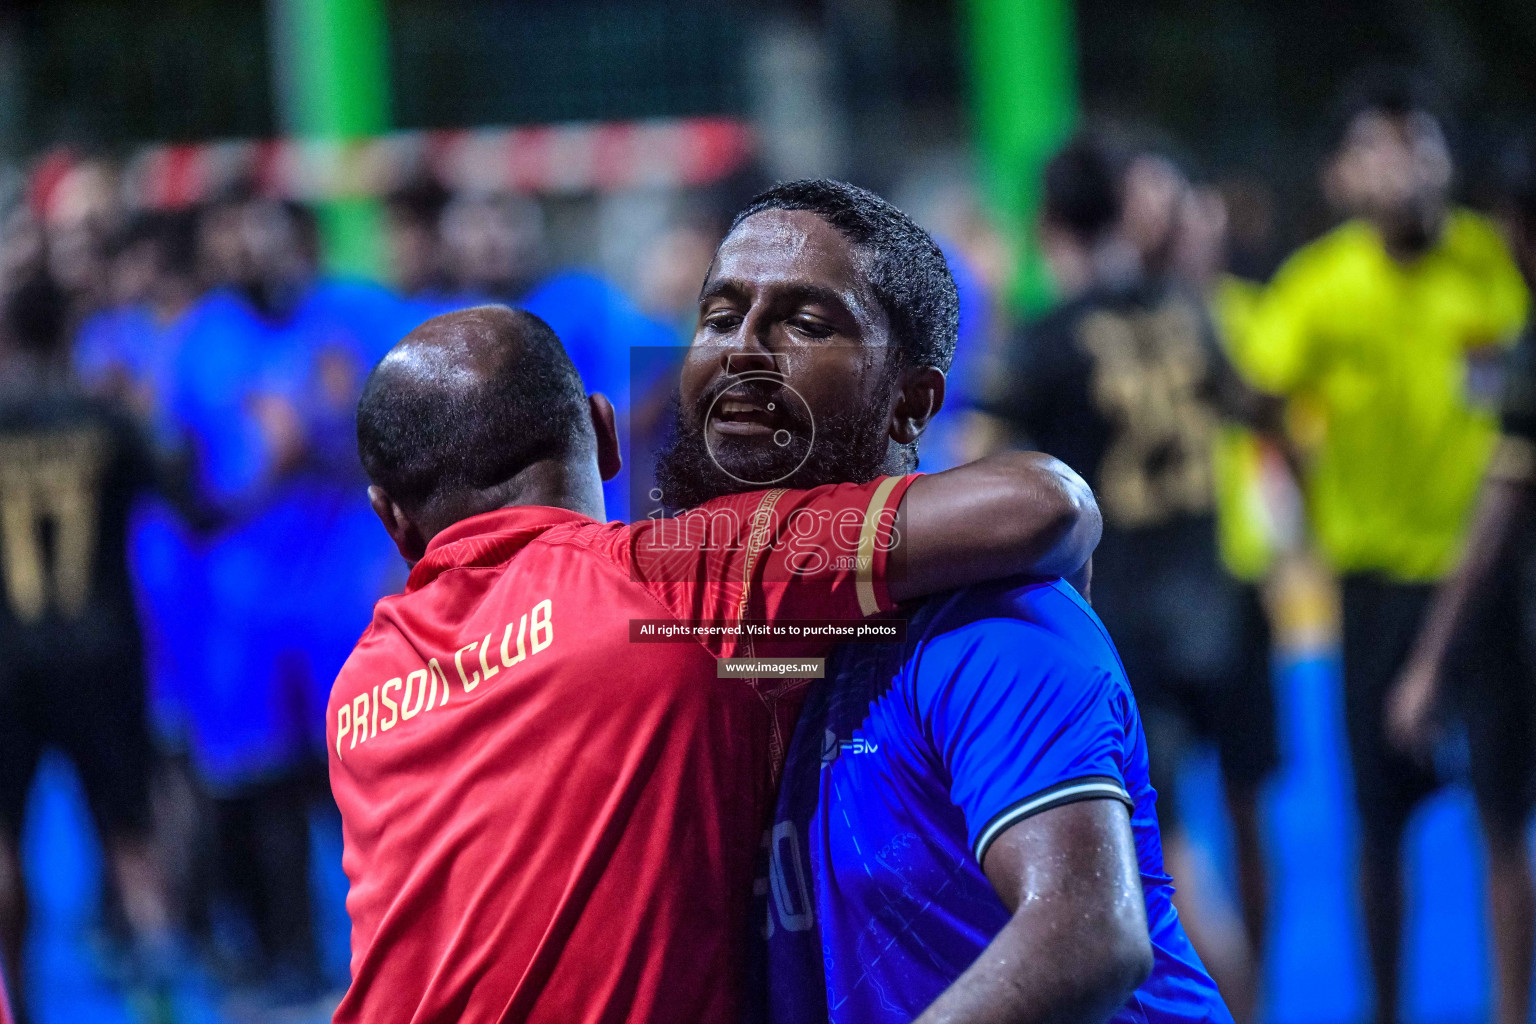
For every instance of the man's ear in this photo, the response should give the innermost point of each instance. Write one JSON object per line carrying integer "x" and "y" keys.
{"x": 609, "y": 461}
{"x": 917, "y": 403}
{"x": 408, "y": 538}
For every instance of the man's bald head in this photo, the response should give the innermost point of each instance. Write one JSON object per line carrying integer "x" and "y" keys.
{"x": 466, "y": 402}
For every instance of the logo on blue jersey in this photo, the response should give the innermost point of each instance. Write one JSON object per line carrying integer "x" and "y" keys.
{"x": 832, "y": 747}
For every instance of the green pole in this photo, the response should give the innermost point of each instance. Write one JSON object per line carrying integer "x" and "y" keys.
{"x": 330, "y": 65}
{"x": 1023, "y": 81}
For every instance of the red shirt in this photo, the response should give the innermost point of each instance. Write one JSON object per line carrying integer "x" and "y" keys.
{"x": 544, "y": 821}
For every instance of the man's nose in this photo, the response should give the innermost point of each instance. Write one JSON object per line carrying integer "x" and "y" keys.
{"x": 749, "y": 352}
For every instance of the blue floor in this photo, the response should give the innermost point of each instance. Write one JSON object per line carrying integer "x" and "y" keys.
{"x": 1316, "y": 968}
{"x": 63, "y": 869}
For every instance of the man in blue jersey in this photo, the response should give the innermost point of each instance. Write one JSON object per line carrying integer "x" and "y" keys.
{"x": 265, "y": 388}
{"x": 965, "y": 830}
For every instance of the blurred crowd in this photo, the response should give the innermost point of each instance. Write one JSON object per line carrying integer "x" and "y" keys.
{"x": 1231, "y": 415}
{"x": 1365, "y": 405}
{"x": 218, "y": 370}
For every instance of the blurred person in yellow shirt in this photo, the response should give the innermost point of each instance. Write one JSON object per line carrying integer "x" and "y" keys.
{"x": 1388, "y": 327}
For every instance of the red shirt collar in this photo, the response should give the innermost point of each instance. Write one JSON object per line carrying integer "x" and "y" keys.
{"x": 489, "y": 538}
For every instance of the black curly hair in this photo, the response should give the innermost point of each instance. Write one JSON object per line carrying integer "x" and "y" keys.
{"x": 907, "y": 270}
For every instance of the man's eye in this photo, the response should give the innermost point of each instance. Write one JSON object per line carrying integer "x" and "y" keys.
{"x": 722, "y": 321}
{"x": 810, "y": 328}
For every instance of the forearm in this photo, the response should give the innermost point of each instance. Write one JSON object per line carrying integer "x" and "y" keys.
{"x": 1501, "y": 507}
{"x": 1029, "y": 975}
{"x": 1010, "y": 514}
{"x": 1076, "y": 946}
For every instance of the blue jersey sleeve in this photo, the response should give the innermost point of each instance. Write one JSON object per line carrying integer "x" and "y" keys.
{"x": 1021, "y": 722}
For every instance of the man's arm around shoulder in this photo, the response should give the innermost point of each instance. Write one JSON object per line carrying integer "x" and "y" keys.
{"x": 1010, "y": 514}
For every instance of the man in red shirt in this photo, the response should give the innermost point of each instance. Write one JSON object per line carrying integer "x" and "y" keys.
{"x": 544, "y": 821}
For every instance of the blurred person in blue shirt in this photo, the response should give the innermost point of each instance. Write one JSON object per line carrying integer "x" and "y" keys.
{"x": 950, "y": 442}
{"x": 265, "y": 387}
{"x": 496, "y": 252}
{"x": 127, "y": 352}
{"x": 965, "y": 828}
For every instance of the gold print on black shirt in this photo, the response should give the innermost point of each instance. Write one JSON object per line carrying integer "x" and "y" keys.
{"x": 1149, "y": 374}
{"x": 49, "y": 487}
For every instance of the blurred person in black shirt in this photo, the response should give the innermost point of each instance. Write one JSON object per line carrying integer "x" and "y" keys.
{"x": 1495, "y": 586}
{"x": 1126, "y": 383}
{"x": 73, "y": 675}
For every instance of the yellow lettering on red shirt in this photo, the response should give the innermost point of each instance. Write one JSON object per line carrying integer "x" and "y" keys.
{"x": 458, "y": 663}
{"x": 419, "y": 678}
{"x": 359, "y": 717}
{"x": 394, "y": 714}
{"x": 545, "y": 623}
{"x": 486, "y": 668}
{"x": 357, "y": 721}
{"x": 522, "y": 626}
{"x": 343, "y": 725}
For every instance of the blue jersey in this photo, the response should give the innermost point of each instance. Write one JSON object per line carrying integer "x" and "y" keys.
{"x": 908, "y": 762}
{"x": 131, "y": 344}
{"x": 255, "y": 704}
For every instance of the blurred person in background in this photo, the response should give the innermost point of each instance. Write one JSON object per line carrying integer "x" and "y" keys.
{"x": 127, "y": 350}
{"x": 413, "y": 242}
{"x": 127, "y": 353}
{"x": 270, "y": 368}
{"x": 1125, "y": 381}
{"x": 1253, "y": 485}
{"x": 668, "y": 271}
{"x": 982, "y": 267}
{"x": 81, "y": 211}
{"x": 493, "y": 244}
{"x": 70, "y": 468}
{"x": 498, "y": 252}
{"x": 218, "y": 240}
{"x": 417, "y": 259}
{"x": 1386, "y": 326}
{"x": 1490, "y": 599}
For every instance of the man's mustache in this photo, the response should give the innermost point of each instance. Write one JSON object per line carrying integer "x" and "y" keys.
{"x": 758, "y": 386}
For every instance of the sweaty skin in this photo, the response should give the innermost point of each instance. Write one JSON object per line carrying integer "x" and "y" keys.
{"x": 1077, "y": 944}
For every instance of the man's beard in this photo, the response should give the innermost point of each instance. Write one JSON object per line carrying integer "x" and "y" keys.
{"x": 850, "y": 445}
